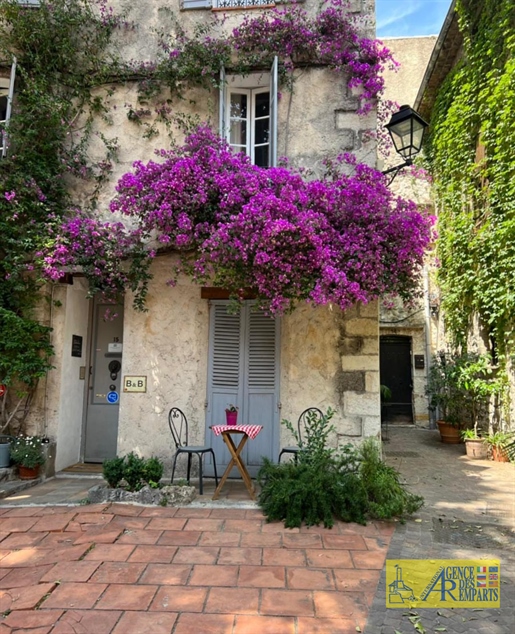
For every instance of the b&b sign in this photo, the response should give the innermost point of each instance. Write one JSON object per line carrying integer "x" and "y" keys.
{"x": 134, "y": 383}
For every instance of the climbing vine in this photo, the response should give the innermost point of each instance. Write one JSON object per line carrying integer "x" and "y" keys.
{"x": 471, "y": 153}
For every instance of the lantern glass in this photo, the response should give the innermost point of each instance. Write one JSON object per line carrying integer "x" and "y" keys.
{"x": 406, "y": 129}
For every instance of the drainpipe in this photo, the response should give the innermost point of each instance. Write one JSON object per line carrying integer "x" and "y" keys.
{"x": 427, "y": 332}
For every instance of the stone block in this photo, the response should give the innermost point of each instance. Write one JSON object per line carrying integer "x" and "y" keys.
{"x": 372, "y": 426}
{"x": 352, "y": 381}
{"x": 351, "y": 345}
{"x": 372, "y": 382}
{"x": 352, "y": 427}
{"x": 346, "y": 139}
{"x": 361, "y": 404}
{"x": 363, "y": 327}
{"x": 360, "y": 362}
{"x": 169, "y": 495}
{"x": 370, "y": 345}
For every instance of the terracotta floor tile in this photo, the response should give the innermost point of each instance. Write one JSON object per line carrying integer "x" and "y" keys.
{"x": 242, "y": 601}
{"x": 139, "y": 536}
{"x": 118, "y": 572}
{"x": 302, "y": 540}
{"x": 89, "y": 621}
{"x": 65, "y": 538}
{"x": 22, "y": 511}
{"x": 7, "y": 630}
{"x": 65, "y": 553}
{"x": 325, "y": 558}
{"x": 178, "y": 538}
{"x": 22, "y": 540}
{"x": 249, "y": 556}
{"x": 110, "y": 552}
{"x": 151, "y": 622}
{"x": 287, "y": 603}
{"x": 97, "y": 519}
{"x": 350, "y": 605}
{"x": 255, "y": 514}
{"x": 166, "y": 574}
{"x": 28, "y": 597}
{"x": 17, "y": 524}
{"x": 353, "y": 581}
{"x": 179, "y": 599}
{"x": 320, "y": 529}
{"x": 32, "y": 618}
{"x": 205, "y": 623}
{"x": 125, "y": 509}
{"x": 20, "y": 577}
{"x": 243, "y": 526}
{"x": 130, "y": 522}
{"x": 202, "y": 524}
{"x": 167, "y": 523}
{"x": 385, "y": 528}
{"x": 305, "y": 579}
{"x": 101, "y": 507}
{"x": 262, "y": 577}
{"x": 100, "y": 535}
{"x": 369, "y": 560}
{"x": 25, "y": 557}
{"x": 125, "y": 597}
{"x": 214, "y": 576}
{"x": 284, "y": 556}
{"x": 261, "y": 540}
{"x": 153, "y": 511}
{"x": 244, "y": 624}
{"x": 306, "y": 625}
{"x": 230, "y": 514}
{"x": 79, "y": 596}
{"x": 52, "y": 523}
{"x": 219, "y": 539}
{"x": 196, "y": 555}
{"x": 77, "y": 571}
{"x": 278, "y": 527}
{"x": 153, "y": 554}
{"x": 349, "y": 542}
{"x": 376, "y": 543}
{"x": 189, "y": 512}
{"x": 357, "y": 529}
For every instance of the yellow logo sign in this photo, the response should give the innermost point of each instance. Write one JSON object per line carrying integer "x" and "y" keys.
{"x": 443, "y": 583}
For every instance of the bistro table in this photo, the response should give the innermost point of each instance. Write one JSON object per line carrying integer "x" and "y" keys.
{"x": 246, "y": 432}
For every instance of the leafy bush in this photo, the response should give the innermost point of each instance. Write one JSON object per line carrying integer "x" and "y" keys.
{"x": 348, "y": 484}
{"x": 27, "y": 451}
{"x": 132, "y": 470}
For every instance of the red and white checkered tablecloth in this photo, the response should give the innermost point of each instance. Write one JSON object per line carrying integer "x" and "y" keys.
{"x": 251, "y": 430}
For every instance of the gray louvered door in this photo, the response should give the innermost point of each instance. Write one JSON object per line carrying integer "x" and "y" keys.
{"x": 244, "y": 371}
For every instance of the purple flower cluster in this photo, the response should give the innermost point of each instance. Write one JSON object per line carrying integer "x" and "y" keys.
{"x": 342, "y": 239}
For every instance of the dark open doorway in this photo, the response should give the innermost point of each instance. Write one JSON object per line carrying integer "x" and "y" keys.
{"x": 396, "y": 374}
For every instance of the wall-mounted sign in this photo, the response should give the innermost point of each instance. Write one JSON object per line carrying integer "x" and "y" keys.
{"x": 134, "y": 383}
{"x": 114, "y": 347}
{"x": 113, "y": 397}
{"x": 419, "y": 362}
{"x": 76, "y": 346}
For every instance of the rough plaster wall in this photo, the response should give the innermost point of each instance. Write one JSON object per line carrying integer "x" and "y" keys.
{"x": 168, "y": 344}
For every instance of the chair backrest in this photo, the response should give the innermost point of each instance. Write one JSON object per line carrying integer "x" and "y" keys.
{"x": 178, "y": 424}
{"x": 305, "y": 417}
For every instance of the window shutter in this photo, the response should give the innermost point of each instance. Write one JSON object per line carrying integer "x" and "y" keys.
{"x": 226, "y": 349}
{"x": 273, "y": 112}
{"x": 223, "y": 101}
{"x": 9, "y": 104}
{"x": 261, "y": 359}
{"x": 196, "y": 4}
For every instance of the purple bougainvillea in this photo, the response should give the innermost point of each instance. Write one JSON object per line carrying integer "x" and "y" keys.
{"x": 342, "y": 239}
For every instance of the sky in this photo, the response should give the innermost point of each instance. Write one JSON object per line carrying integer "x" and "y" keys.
{"x": 404, "y": 18}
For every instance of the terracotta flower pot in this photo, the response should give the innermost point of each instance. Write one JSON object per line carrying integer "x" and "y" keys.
{"x": 449, "y": 434}
{"x": 28, "y": 473}
{"x": 499, "y": 454}
{"x": 476, "y": 449}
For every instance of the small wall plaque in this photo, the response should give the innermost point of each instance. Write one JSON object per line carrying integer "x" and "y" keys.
{"x": 134, "y": 383}
{"x": 76, "y": 346}
{"x": 419, "y": 362}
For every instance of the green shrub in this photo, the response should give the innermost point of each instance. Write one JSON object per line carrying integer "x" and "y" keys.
{"x": 324, "y": 483}
{"x": 132, "y": 470}
{"x": 112, "y": 470}
{"x": 387, "y": 497}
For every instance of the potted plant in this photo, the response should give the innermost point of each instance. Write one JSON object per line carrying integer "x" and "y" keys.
{"x": 475, "y": 446}
{"x": 499, "y": 442}
{"x": 231, "y": 415}
{"x": 446, "y": 397}
{"x": 27, "y": 453}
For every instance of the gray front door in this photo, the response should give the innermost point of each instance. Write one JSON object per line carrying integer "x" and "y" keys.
{"x": 103, "y": 403}
{"x": 243, "y": 371}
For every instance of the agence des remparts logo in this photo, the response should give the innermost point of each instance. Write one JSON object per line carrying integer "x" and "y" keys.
{"x": 451, "y": 583}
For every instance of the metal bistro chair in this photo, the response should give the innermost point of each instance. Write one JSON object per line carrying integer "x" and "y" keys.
{"x": 179, "y": 427}
{"x": 303, "y": 419}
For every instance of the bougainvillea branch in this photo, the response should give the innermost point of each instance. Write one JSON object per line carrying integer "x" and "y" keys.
{"x": 342, "y": 239}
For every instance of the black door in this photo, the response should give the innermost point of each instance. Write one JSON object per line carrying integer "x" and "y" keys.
{"x": 395, "y": 373}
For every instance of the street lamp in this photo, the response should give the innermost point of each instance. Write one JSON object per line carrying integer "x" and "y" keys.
{"x": 406, "y": 129}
